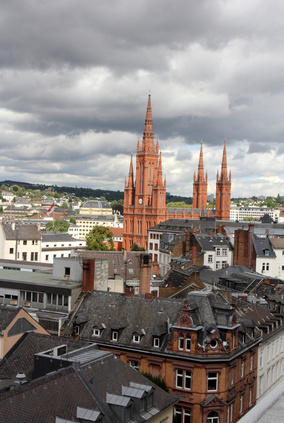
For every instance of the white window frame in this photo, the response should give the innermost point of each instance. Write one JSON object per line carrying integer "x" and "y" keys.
{"x": 212, "y": 378}
{"x": 136, "y": 338}
{"x": 114, "y": 335}
{"x": 184, "y": 376}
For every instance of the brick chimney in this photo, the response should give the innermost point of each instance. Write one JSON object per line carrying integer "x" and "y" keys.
{"x": 88, "y": 275}
{"x": 145, "y": 274}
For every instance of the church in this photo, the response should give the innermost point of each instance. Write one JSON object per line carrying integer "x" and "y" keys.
{"x": 145, "y": 191}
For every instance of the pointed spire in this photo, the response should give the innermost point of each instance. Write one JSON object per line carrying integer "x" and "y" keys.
{"x": 148, "y": 135}
{"x": 160, "y": 171}
{"x": 130, "y": 177}
{"x": 224, "y": 170}
{"x": 201, "y": 165}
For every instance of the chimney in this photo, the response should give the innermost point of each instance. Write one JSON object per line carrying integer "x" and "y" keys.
{"x": 193, "y": 253}
{"x": 88, "y": 275}
{"x": 145, "y": 274}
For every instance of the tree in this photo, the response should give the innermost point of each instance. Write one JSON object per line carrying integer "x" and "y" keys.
{"x": 135, "y": 247}
{"x": 72, "y": 220}
{"x": 58, "y": 225}
{"x": 100, "y": 239}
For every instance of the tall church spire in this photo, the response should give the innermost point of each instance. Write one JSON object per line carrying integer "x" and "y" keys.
{"x": 224, "y": 169}
{"x": 199, "y": 200}
{"x": 223, "y": 190}
{"x": 148, "y": 135}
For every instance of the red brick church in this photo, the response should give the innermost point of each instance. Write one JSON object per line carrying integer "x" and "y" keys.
{"x": 145, "y": 193}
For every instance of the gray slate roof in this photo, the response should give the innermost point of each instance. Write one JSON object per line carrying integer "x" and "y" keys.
{"x": 263, "y": 247}
{"x": 20, "y": 231}
{"x": 138, "y": 315}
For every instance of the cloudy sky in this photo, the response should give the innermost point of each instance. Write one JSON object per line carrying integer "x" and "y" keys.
{"x": 75, "y": 76}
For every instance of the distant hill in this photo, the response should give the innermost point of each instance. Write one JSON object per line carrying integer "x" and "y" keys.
{"x": 87, "y": 192}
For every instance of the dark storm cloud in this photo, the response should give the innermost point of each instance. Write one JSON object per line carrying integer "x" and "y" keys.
{"x": 74, "y": 80}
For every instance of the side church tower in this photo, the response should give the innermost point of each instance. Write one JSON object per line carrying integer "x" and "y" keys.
{"x": 144, "y": 199}
{"x": 223, "y": 190}
{"x": 199, "y": 200}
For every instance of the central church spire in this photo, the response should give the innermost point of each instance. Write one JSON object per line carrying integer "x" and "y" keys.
{"x": 148, "y": 135}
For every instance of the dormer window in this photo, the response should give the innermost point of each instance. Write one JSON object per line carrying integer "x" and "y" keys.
{"x": 114, "y": 335}
{"x": 97, "y": 332}
{"x": 181, "y": 342}
{"x": 266, "y": 252}
{"x": 188, "y": 343}
{"x": 156, "y": 342}
{"x": 136, "y": 338}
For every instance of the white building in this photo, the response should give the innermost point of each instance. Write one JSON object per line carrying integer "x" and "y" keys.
{"x": 239, "y": 213}
{"x": 55, "y": 245}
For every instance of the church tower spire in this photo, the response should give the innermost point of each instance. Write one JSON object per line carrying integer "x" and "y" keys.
{"x": 144, "y": 200}
{"x": 148, "y": 135}
{"x": 199, "y": 200}
{"x": 223, "y": 190}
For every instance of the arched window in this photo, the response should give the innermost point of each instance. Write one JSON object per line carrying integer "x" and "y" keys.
{"x": 212, "y": 417}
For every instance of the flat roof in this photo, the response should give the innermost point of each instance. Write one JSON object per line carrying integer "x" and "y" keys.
{"x": 36, "y": 281}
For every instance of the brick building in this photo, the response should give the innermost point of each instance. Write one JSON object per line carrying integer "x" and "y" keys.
{"x": 201, "y": 346}
{"x": 145, "y": 192}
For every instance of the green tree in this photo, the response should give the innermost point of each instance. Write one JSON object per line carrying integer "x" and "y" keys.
{"x": 72, "y": 220}
{"x": 58, "y": 225}
{"x": 135, "y": 247}
{"x": 100, "y": 239}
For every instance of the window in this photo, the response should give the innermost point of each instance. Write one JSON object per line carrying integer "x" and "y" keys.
{"x": 218, "y": 263}
{"x": 250, "y": 396}
{"x": 183, "y": 379}
{"x": 212, "y": 381}
{"x": 134, "y": 364}
{"x": 24, "y": 256}
{"x": 218, "y": 251}
{"x": 156, "y": 342}
{"x": 242, "y": 368}
{"x": 46, "y": 257}
{"x": 224, "y": 264}
{"x": 136, "y": 338}
{"x": 96, "y": 332}
{"x": 251, "y": 363}
{"x": 188, "y": 343}
{"x": 67, "y": 271}
{"x": 212, "y": 417}
{"x": 182, "y": 415}
{"x": 210, "y": 258}
{"x": 36, "y": 256}
{"x": 11, "y": 250}
{"x": 25, "y": 242}
{"x": 224, "y": 252}
{"x": 114, "y": 335}
{"x": 181, "y": 342}
{"x": 241, "y": 403}
{"x": 267, "y": 252}
{"x": 32, "y": 256}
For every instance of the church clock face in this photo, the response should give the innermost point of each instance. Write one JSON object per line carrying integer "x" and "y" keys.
{"x": 140, "y": 200}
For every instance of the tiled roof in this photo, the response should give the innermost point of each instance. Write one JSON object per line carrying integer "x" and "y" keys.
{"x": 263, "y": 247}
{"x": 69, "y": 392}
{"x": 57, "y": 237}
{"x": 277, "y": 242}
{"x": 20, "y": 231}
{"x": 20, "y": 358}
{"x": 138, "y": 315}
{"x": 211, "y": 242}
{"x": 7, "y": 314}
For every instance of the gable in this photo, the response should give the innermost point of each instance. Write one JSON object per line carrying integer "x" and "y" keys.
{"x": 22, "y": 325}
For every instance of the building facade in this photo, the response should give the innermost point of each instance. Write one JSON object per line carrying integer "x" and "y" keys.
{"x": 145, "y": 191}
